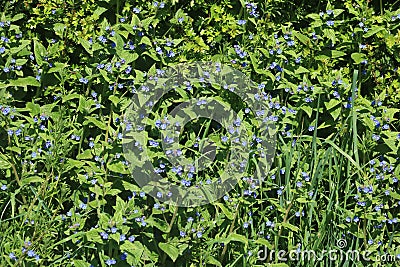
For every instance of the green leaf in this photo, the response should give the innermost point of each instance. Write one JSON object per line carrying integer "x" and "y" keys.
{"x": 34, "y": 179}
{"x": 322, "y": 57}
{"x": 358, "y": 57}
{"x": 302, "y": 38}
{"x": 34, "y": 108}
{"x": 99, "y": 10}
{"x": 213, "y": 261}
{"x": 87, "y": 154}
{"x": 69, "y": 97}
{"x": 114, "y": 99}
{"x": 24, "y": 82}
{"x": 290, "y": 226}
{"x": 375, "y": 29}
{"x": 264, "y": 242}
{"x": 96, "y": 122}
{"x": 18, "y": 17}
{"x": 332, "y": 103}
{"x": 24, "y": 43}
{"x": 308, "y": 110}
{"x": 118, "y": 167}
{"x": 336, "y": 53}
{"x": 171, "y": 250}
{"x": 300, "y": 70}
{"x": 86, "y": 46}
{"x": 59, "y": 29}
{"x": 4, "y": 164}
{"x": 119, "y": 44}
{"x": 81, "y": 263}
{"x": 237, "y": 237}
{"x": 160, "y": 224}
{"x": 40, "y": 51}
{"x": 225, "y": 210}
{"x": 57, "y": 67}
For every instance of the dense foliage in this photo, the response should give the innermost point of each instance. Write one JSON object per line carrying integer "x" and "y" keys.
{"x": 68, "y": 71}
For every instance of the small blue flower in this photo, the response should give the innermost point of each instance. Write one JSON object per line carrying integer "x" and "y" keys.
{"x": 290, "y": 43}
{"x": 31, "y": 253}
{"x": 122, "y": 238}
{"x": 330, "y": 23}
{"x": 83, "y": 80}
{"x": 110, "y": 262}
{"x": 12, "y": 256}
{"x": 241, "y": 22}
{"x": 123, "y": 256}
{"x": 3, "y": 187}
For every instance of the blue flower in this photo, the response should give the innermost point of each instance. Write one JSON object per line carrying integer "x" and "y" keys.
{"x": 12, "y": 256}
{"x": 170, "y": 53}
{"x": 123, "y": 256}
{"x": 241, "y": 22}
{"x": 31, "y": 253}
{"x": 110, "y": 262}
{"x": 136, "y": 10}
{"x": 290, "y": 43}
{"x": 330, "y": 23}
{"x": 122, "y": 238}
{"x": 83, "y": 80}
{"x": 3, "y": 187}
{"x": 104, "y": 235}
{"x": 180, "y": 20}
{"x": 102, "y": 39}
